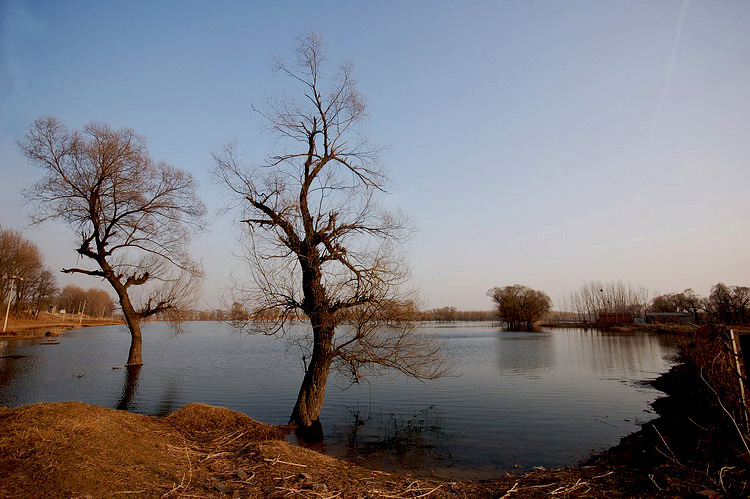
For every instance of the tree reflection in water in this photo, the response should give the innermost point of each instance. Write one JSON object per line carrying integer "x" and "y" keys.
{"x": 129, "y": 388}
{"x": 168, "y": 402}
{"x": 394, "y": 441}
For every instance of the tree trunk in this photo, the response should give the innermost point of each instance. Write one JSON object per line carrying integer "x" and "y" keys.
{"x": 136, "y": 343}
{"x": 133, "y": 321}
{"x": 306, "y": 412}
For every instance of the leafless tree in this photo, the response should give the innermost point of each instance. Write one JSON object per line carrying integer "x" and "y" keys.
{"x": 99, "y": 303}
{"x": 686, "y": 302}
{"x": 22, "y": 260}
{"x": 44, "y": 289}
{"x": 445, "y": 314}
{"x": 613, "y": 297}
{"x": 520, "y": 306}
{"x": 728, "y": 304}
{"x": 319, "y": 247}
{"x": 94, "y": 302}
{"x": 70, "y": 298}
{"x": 134, "y": 216}
{"x": 450, "y": 314}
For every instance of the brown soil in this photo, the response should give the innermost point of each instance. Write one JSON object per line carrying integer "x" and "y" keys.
{"x": 72, "y": 449}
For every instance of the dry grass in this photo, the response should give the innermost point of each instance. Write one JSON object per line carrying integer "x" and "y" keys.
{"x": 70, "y": 449}
{"x": 53, "y": 323}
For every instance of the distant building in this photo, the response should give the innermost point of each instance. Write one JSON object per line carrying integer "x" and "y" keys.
{"x": 668, "y": 318}
{"x": 615, "y": 318}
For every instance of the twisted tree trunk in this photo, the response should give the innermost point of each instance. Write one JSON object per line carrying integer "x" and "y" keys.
{"x": 306, "y": 412}
{"x": 133, "y": 320}
{"x": 136, "y": 344}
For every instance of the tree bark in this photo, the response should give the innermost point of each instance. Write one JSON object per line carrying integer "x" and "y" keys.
{"x": 306, "y": 412}
{"x": 133, "y": 321}
{"x": 136, "y": 344}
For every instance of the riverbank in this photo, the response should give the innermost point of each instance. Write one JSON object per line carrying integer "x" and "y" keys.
{"x": 688, "y": 450}
{"x": 74, "y": 449}
{"x": 51, "y": 325}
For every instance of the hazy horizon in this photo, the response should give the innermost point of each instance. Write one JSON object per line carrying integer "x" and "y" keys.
{"x": 536, "y": 143}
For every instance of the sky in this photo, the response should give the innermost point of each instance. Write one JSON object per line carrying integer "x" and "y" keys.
{"x": 541, "y": 143}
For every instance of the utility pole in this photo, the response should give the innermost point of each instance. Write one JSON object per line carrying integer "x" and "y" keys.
{"x": 10, "y": 297}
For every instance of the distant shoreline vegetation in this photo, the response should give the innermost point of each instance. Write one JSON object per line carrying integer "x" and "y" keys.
{"x": 595, "y": 303}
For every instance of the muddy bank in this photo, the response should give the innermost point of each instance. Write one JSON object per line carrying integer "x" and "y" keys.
{"x": 73, "y": 449}
{"x": 34, "y": 329}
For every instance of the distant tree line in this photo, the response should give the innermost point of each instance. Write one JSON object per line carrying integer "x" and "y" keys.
{"x": 33, "y": 283}
{"x": 595, "y": 298}
{"x": 452, "y": 314}
{"x": 238, "y": 312}
{"x": 724, "y": 304}
{"x": 35, "y": 288}
{"x": 597, "y": 301}
{"x": 93, "y": 301}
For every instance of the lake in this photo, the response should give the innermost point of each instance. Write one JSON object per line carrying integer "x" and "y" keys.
{"x": 517, "y": 399}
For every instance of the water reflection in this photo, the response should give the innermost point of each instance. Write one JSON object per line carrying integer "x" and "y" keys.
{"x": 608, "y": 353}
{"x": 14, "y": 362}
{"x": 169, "y": 400}
{"x": 524, "y": 351}
{"x": 604, "y": 353}
{"x": 129, "y": 388}
{"x": 414, "y": 441}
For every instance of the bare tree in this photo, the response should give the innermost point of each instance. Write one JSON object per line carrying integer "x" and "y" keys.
{"x": 44, "y": 289}
{"x": 728, "y": 304}
{"x": 520, "y": 306}
{"x": 319, "y": 247}
{"x": 133, "y": 215}
{"x": 445, "y": 314}
{"x": 99, "y": 303}
{"x": 613, "y": 297}
{"x": 71, "y": 299}
{"x": 686, "y": 302}
{"x": 21, "y": 260}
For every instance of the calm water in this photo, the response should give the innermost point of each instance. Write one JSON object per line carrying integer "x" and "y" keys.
{"x": 530, "y": 399}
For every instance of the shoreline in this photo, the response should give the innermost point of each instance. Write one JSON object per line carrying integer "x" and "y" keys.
{"x": 638, "y": 465}
{"x": 29, "y": 329}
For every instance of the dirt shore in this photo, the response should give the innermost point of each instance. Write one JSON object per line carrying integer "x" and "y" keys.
{"x": 50, "y": 325}
{"x": 72, "y": 449}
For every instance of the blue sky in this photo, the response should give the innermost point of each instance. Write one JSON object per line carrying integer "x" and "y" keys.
{"x": 539, "y": 142}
